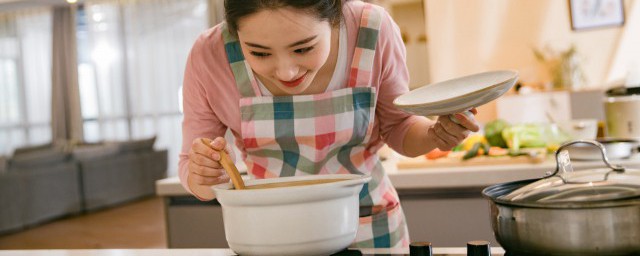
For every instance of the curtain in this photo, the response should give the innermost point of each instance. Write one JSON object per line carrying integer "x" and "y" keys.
{"x": 131, "y": 65}
{"x": 25, "y": 78}
{"x": 66, "y": 124}
{"x": 216, "y": 11}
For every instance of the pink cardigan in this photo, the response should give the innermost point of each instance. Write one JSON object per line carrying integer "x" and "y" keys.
{"x": 210, "y": 97}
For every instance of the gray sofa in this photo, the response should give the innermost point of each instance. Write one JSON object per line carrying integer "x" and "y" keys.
{"x": 109, "y": 179}
{"x": 39, "y": 184}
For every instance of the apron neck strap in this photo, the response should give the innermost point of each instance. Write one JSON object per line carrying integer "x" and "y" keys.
{"x": 245, "y": 81}
{"x": 362, "y": 64}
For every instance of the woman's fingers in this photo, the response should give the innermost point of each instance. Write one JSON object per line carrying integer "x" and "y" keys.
{"x": 206, "y": 170}
{"x": 204, "y": 156}
{"x": 204, "y": 166}
{"x": 467, "y": 121}
{"x": 205, "y": 180}
{"x": 439, "y": 141}
{"x": 219, "y": 143}
{"x": 447, "y": 133}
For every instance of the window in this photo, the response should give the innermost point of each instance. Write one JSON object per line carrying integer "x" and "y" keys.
{"x": 132, "y": 56}
{"x": 25, "y": 79}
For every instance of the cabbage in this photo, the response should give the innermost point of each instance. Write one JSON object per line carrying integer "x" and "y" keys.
{"x": 524, "y": 136}
{"x": 493, "y": 132}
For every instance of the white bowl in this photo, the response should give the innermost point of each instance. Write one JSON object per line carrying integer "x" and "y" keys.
{"x": 318, "y": 219}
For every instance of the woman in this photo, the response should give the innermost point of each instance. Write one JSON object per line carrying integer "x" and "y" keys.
{"x": 306, "y": 87}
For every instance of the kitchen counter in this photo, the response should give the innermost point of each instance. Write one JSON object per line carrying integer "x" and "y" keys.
{"x": 444, "y": 178}
{"x": 442, "y": 205}
{"x": 495, "y": 251}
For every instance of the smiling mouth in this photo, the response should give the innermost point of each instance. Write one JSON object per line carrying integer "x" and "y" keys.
{"x": 294, "y": 83}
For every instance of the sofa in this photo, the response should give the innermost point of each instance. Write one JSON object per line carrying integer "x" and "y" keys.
{"x": 46, "y": 182}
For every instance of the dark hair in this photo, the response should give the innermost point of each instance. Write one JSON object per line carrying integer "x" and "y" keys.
{"x": 234, "y": 10}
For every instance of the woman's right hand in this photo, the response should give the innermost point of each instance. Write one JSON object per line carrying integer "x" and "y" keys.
{"x": 204, "y": 166}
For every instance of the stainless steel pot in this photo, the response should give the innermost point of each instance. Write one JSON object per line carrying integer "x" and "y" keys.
{"x": 564, "y": 214}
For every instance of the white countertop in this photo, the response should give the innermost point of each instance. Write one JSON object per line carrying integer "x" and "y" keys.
{"x": 445, "y": 178}
{"x": 443, "y": 251}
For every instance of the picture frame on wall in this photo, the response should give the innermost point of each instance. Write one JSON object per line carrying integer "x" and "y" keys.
{"x": 589, "y": 14}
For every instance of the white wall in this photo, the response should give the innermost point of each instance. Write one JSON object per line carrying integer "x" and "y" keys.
{"x": 473, "y": 36}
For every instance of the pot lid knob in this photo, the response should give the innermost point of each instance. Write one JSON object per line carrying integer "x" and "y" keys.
{"x": 420, "y": 249}
{"x": 478, "y": 248}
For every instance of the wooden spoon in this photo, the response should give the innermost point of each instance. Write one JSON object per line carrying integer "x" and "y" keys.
{"x": 228, "y": 166}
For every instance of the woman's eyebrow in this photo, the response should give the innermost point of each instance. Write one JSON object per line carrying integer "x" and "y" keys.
{"x": 303, "y": 41}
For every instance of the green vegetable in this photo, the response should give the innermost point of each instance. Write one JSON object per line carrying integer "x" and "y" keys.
{"x": 493, "y": 132}
{"x": 457, "y": 148}
{"x": 524, "y": 136}
{"x": 472, "y": 152}
{"x": 485, "y": 148}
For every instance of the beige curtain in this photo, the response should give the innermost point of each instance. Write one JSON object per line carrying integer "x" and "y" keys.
{"x": 66, "y": 119}
{"x": 215, "y": 11}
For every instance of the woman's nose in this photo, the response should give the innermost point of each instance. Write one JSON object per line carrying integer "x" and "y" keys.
{"x": 286, "y": 70}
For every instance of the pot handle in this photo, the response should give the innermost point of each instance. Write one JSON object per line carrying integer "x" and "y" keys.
{"x": 603, "y": 151}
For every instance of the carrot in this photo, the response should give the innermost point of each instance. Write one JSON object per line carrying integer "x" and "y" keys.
{"x": 436, "y": 153}
{"x": 498, "y": 151}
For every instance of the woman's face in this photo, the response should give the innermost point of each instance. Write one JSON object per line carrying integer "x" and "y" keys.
{"x": 285, "y": 47}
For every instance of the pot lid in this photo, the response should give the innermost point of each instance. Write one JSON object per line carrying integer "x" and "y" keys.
{"x": 566, "y": 186}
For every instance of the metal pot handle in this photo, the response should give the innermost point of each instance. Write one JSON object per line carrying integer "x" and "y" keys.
{"x": 603, "y": 151}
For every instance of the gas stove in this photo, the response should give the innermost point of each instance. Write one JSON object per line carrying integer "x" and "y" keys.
{"x": 437, "y": 251}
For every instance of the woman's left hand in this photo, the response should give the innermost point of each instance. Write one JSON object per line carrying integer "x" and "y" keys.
{"x": 446, "y": 134}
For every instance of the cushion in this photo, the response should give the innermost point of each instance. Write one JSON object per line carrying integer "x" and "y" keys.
{"x": 27, "y": 149}
{"x": 137, "y": 145}
{"x": 38, "y": 158}
{"x": 89, "y": 152}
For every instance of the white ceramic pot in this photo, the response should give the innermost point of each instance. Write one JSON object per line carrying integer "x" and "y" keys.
{"x": 318, "y": 219}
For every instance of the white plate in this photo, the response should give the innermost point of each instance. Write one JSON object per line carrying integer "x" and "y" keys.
{"x": 457, "y": 95}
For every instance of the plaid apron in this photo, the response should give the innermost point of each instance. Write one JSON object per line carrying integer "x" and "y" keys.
{"x": 323, "y": 133}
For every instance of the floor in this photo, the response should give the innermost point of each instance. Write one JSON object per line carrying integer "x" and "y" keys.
{"x": 138, "y": 224}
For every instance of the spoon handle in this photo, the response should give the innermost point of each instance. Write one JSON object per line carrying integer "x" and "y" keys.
{"x": 228, "y": 166}
{"x": 231, "y": 169}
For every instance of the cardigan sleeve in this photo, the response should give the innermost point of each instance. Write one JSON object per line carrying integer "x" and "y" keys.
{"x": 200, "y": 120}
{"x": 394, "y": 81}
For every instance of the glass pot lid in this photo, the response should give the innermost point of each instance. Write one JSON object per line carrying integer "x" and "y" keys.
{"x": 564, "y": 185}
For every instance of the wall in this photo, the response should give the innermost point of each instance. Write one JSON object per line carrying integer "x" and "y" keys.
{"x": 474, "y": 36}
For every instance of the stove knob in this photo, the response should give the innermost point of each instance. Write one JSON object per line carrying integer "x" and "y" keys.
{"x": 478, "y": 248}
{"x": 420, "y": 249}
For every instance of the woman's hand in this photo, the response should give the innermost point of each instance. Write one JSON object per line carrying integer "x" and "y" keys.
{"x": 446, "y": 134}
{"x": 204, "y": 166}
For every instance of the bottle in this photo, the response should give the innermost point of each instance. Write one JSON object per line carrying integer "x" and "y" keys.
{"x": 478, "y": 248}
{"x": 420, "y": 249}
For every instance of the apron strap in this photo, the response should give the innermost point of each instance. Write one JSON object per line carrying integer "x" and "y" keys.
{"x": 246, "y": 83}
{"x": 360, "y": 71}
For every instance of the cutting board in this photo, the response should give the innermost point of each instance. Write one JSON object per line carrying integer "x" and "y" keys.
{"x": 423, "y": 162}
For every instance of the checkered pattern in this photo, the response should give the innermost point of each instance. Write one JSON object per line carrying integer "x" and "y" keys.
{"x": 323, "y": 134}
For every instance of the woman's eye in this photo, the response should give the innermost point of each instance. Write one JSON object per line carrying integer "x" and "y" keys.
{"x": 260, "y": 54}
{"x": 304, "y": 50}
